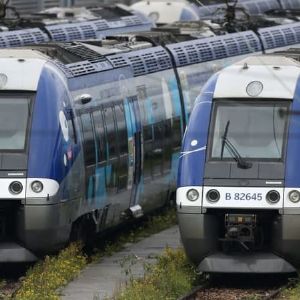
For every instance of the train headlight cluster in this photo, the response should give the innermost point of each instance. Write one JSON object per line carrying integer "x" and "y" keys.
{"x": 213, "y": 196}
{"x": 192, "y": 195}
{"x": 294, "y": 196}
{"x": 37, "y": 186}
{"x": 273, "y": 197}
{"x": 15, "y": 187}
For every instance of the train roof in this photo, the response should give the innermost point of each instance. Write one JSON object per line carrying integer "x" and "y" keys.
{"x": 292, "y": 53}
{"x": 278, "y": 74}
{"x": 276, "y": 60}
{"x": 143, "y": 54}
{"x": 21, "y": 54}
{"x": 149, "y": 52}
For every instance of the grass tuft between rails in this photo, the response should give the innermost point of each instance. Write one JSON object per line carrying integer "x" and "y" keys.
{"x": 292, "y": 293}
{"x": 44, "y": 280}
{"x": 172, "y": 277}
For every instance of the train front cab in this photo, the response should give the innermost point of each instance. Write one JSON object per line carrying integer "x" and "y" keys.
{"x": 38, "y": 160}
{"x": 238, "y": 187}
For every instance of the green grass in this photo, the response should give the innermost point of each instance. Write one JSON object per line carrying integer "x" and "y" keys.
{"x": 172, "y": 277}
{"x": 292, "y": 293}
{"x": 44, "y": 280}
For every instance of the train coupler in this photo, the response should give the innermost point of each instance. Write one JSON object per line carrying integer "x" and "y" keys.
{"x": 239, "y": 232}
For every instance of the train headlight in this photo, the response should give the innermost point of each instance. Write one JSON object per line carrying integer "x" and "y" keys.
{"x": 273, "y": 197}
{"x": 213, "y": 196}
{"x": 37, "y": 186}
{"x": 254, "y": 88}
{"x": 16, "y": 187}
{"x": 294, "y": 196}
{"x": 192, "y": 195}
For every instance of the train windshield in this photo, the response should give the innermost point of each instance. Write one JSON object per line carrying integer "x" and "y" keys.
{"x": 249, "y": 130}
{"x": 14, "y": 116}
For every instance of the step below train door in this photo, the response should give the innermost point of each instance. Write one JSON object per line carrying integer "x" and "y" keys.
{"x": 134, "y": 155}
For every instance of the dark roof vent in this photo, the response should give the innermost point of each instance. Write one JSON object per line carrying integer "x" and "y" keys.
{"x": 143, "y": 61}
{"x": 23, "y": 37}
{"x": 212, "y": 48}
{"x": 280, "y": 36}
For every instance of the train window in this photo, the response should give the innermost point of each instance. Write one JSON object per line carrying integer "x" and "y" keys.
{"x": 254, "y": 130}
{"x": 158, "y": 150}
{"x": 110, "y": 132}
{"x": 100, "y": 136}
{"x": 122, "y": 128}
{"x": 167, "y": 145}
{"x": 148, "y": 133}
{"x": 142, "y": 98}
{"x": 72, "y": 133}
{"x": 14, "y": 115}
{"x": 176, "y": 133}
{"x": 88, "y": 139}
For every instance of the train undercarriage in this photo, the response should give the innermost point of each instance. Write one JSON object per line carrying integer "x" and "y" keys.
{"x": 241, "y": 241}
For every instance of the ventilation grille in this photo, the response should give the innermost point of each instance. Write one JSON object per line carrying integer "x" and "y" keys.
{"x": 64, "y": 68}
{"x": 132, "y": 20}
{"x": 100, "y": 25}
{"x": 280, "y": 36}
{"x": 90, "y": 29}
{"x": 144, "y": 61}
{"x": 70, "y": 32}
{"x": 219, "y": 47}
{"x": 24, "y": 37}
{"x": 87, "y": 67}
{"x": 84, "y": 53}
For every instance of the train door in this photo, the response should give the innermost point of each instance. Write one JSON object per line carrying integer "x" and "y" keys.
{"x": 89, "y": 154}
{"x": 135, "y": 149}
{"x": 137, "y": 169}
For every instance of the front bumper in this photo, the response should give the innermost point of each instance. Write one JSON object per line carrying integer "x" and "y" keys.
{"x": 254, "y": 263}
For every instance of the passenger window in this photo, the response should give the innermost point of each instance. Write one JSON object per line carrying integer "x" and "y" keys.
{"x": 122, "y": 128}
{"x": 176, "y": 133}
{"x": 100, "y": 136}
{"x": 148, "y": 133}
{"x": 142, "y": 96}
{"x": 110, "y": 132}
{"x": 88, "y": 139}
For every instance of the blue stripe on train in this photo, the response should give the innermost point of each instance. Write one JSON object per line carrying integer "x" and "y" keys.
{"x": 192, "y": 158}
{"x": 47, "y": 144}
{"x": 292, "y": 178}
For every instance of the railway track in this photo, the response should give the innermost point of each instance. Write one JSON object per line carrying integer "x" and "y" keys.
{"x": 241, "y": 287}
{"x": 10, "y": 276}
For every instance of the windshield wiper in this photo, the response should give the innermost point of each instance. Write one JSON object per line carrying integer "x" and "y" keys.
{"x": 241, "y": 162}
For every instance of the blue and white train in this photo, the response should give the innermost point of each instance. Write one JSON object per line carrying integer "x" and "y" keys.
{"x": 90, "y": 132}
{"x": 238, "y": 193}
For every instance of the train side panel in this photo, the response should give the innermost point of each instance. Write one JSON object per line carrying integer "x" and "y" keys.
{"x": 55, "y": 160}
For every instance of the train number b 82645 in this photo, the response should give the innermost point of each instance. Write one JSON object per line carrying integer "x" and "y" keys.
{"x": 244, "y": 196}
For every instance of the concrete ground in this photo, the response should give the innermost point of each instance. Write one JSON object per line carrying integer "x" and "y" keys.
{"x": 101, "y": 280}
